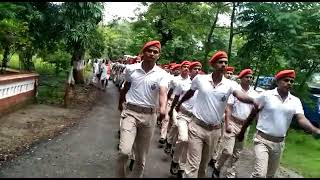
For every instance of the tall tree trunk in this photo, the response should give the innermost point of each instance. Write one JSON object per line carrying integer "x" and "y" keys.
{"x": 25, "y": 57}
{"x": 231, "y": 29}
{"x": 5, "y": 59}
{"x": 77, "y": 63}
{"x": 209, "y": 37}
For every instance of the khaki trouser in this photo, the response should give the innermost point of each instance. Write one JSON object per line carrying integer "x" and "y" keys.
{"x": 135, "y": 128}
{"x": 165, "y": 123}
{"x": 180, "y": 154}
{"x": 200, "y": 147}
{"x": 217, "y": 149}
{"x": 230, "y": 148}
{"x": 173, "y": 131}
{"x": 267, "y": 157}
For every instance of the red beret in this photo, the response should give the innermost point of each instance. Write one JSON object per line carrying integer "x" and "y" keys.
{"x": 218, "y": 55}
{"x": 285, "y": 73}
{"x": 230, "y": 68}
{"x": 151, "y": 43}
{"x": 171, "y": 64}
{"x": 245, "y": 72}
{"x": 193, "y": 64}
{"x": 185, "y": 63}
{"x": 176, "y": 66}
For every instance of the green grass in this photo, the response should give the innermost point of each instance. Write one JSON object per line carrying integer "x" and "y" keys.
{"x": 301, "y": 153}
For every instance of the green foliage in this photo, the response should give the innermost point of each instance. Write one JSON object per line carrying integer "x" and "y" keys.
{"x": 97, "y": 45}
{"x": 80, "y": 20}
{"x": 61, "y": 60}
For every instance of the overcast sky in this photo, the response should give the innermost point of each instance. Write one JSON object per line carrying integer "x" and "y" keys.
{"x": 126, "y": 9}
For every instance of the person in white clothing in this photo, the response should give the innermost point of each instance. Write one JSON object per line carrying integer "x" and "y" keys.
{"x": 277, "y": 109}
{"x": 209, "y": 106}
{"x": 104, "y": 75}
{"x": 145, "y": 92}
{"x": 165, "y": 124}
{"x": 183, "y": 118}
{"x": 217, "y": 149}
{"x": 236, "y": 114}
{"x": 95, "y": 71}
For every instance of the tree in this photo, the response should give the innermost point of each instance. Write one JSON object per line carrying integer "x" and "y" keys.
{"x": 80, "y": 21}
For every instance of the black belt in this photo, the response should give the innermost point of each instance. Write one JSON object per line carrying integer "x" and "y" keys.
{"x": 269, "y": 137}
{"x": 185, "y": 112}
{"x": 140, "y": 109}
{"x": 205, "y": 125}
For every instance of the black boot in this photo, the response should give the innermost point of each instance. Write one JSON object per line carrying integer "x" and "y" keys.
{"x": 168, "y": 147}
{"x": 162, "y": 141}
{"x": 215, "y": 173}
{"x": 174, "y": 168}
{"x": 180, "y": 173}
{"x": 131, "y": 164}
{"x": 212, "y": 162}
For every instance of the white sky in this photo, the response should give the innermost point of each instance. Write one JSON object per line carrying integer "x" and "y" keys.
{"x": 126, "y": 9}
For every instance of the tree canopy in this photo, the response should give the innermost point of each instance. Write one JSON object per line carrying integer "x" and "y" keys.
{"x": 265, "y": 36}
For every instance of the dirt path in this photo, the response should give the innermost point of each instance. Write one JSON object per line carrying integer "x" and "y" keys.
{"x": 89, "y": 148}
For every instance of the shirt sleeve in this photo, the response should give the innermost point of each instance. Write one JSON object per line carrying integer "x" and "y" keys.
{"x": 164, "y": 81}
{"x": 178, "y": 90}
{"x": 299, "y": 108}
{"x": 127, "y": 73}
{"x": 261, "y": 98}
{"x": 195, "y": 83}
{"x": 234, "y": 86}
{"x": 231, "y": 99}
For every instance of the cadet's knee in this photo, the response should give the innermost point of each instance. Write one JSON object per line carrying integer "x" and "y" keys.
{"x": 227, "y": 152}
{"x": 184, "y": 140}
{"x": 124, "y": 152}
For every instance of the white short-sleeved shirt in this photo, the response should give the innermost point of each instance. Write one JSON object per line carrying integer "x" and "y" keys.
{"x": 240, "y": 109}
{"x": 182, "y": 87}
{"x": 211, "y": 102}
{"x": 144, "y": 90}
{"x": 276, "y": 115}
{"x": 173, "y": 82}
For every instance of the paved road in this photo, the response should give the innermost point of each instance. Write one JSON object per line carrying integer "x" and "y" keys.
{"x": 89, "y": 150}
{"x": 86, "y": 150}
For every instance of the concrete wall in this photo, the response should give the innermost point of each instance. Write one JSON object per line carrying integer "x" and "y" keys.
{"x": 17, "y": 90}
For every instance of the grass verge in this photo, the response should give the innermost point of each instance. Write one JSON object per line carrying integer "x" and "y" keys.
{"x": 301, "y": 153}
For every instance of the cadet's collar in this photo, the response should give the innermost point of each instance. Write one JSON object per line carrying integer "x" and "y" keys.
{"x": 276, "y": 93}
{"x": 210, "y": 78}
{"x": 155, "y": 67}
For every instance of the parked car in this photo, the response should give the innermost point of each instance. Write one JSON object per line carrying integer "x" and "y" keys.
{"x": 313, "y": 113}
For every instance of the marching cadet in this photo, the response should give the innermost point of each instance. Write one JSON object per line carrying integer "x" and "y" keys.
{"x": 183, "y": 119}
{"x": 208, "y": 109}
{"x": 229, "y": 72}
{"x": 236, "y": 114}
{"x": 144, "y": 91}
{"x": 277, "y": 109}
{"x": 172, "y": 84}
{"x": 217, "y": 149}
